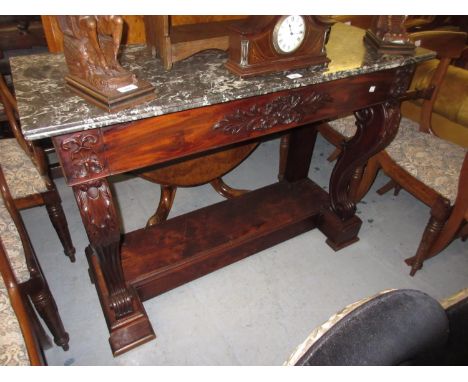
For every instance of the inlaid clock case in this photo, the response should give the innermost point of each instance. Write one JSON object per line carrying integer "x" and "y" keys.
{"x": 252, "y": 48}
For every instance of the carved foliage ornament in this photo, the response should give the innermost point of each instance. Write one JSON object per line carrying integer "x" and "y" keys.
{"x": 283, "y": 110}
{"x": 85, "y": 161}
{"x": 402, "y": 81}
{"x": 99, "y": 215}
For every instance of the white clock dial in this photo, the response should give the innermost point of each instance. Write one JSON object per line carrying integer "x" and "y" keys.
{"x": 288, "y": 34}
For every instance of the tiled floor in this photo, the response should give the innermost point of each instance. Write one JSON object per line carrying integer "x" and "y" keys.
{"x": 256, "y": 311}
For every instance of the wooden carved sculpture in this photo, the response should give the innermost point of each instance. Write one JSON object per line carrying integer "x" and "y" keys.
{"x": 91, "y": 45}
{"x": 388, "y": 35}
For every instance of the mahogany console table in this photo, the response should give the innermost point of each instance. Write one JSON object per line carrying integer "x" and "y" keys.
{"x": 199, "y": 108}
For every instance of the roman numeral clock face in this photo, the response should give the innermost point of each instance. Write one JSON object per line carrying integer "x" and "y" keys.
{"x": 288, "y": 34}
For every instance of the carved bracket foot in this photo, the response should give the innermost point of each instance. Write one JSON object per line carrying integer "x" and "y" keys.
{"x": 126, "y": 332}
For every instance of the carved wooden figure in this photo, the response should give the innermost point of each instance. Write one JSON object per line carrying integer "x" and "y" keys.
{"x": 91, "y": 45}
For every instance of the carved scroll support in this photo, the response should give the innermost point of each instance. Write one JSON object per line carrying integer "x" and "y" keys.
{"x": 99, "y": 217}
{"x": 85, "y": 167}
{"x": 376, "y": 127}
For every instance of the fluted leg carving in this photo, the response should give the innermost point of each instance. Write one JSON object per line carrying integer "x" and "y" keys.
{"x": 376, "y": 127}
{"x": 100, "y": 219}
{"x": 59, "y": 221}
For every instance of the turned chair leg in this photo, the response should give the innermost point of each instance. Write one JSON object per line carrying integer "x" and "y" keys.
{"x": 334, "y": 155}
{"x": 391, "y": 184}
{"x": 46, "y": 307}
{"x": 464, "y": 232}
{"x": 54, "y": 208}
{"x": 367, "y": 179}
{"x": 43, "y": 338}
{"x": 354, "y": 183}
{"x": 164, "y": 207}
{"x": 440, "y": 212}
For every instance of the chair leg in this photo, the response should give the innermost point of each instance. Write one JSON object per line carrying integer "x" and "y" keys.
{"x": 54, "y": 208}
{"x": 367, "y": 179}
{"x": 391, "y": 184}
{"x": 354, "y": 183}
{"x": 463, "y": 233}
{"x": 42, "y": 336}
{"x": 46, "y": 307}
{"x": 440, "y": 212}
{"x": 164, "y": 207}
{"x": 334, "y": 155}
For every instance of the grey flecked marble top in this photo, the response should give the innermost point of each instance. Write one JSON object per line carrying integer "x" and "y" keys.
{"x": 47, "y": 108}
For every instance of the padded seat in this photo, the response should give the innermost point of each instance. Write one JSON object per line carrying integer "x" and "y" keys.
{"x": 345, "y": 126}
{"x": 434, "y": 161}
{"x": 12, "y": 242}
{"x": 22, "y": 176}
{"x": 13, "y": 350}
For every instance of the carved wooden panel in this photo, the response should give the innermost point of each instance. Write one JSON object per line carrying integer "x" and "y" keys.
{"x": 282, "y": 110}
{"x": 82, "y": 155}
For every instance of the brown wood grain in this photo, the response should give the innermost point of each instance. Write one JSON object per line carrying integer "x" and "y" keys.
{"x": 190, "y": 132}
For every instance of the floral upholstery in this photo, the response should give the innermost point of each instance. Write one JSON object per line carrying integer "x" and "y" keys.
{"x": 13, "y": 350}
{"x": 21, "y": 175}
{"x": 431, "y": 160}
{"x": 12, "y": 243}
{"x": 345, "y": 126}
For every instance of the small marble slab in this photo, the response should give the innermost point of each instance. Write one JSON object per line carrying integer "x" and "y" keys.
{"x": 47, "y": 108}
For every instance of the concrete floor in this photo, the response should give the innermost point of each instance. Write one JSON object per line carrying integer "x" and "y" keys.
{"x": 256, "y": 311}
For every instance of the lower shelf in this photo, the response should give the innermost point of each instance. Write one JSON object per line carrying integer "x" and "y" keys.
{"x": 162, "y": 257}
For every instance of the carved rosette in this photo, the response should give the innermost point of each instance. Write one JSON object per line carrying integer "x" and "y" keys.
{"x": 82, "y": 150}
{"x": 283, "y": 110}
{"x": 100, "y": 219}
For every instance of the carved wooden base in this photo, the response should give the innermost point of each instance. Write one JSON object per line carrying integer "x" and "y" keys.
{"x": 340, "y": 234}
{"x": 126, "y": 333}
{"x": 317, "y": 63}
{"x": 383, "y": 47}
{"x": 112, "y": 101}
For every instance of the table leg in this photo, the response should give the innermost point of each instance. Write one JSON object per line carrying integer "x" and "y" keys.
{"x": 301, "y": 148}
{"x": 376, "y": 127}
{"x": 125, "y": 315}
